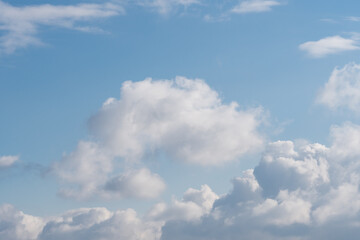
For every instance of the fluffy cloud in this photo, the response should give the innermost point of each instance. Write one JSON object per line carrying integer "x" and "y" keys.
{"x": 99, "y": 223}
{"x": 136, "y": 184}
{"x": 250, "y": 6}
{"x": 89, "y": 171}
{"x": 78, "y": 224}
{"x": 296, "y": 192}
{"x": 329, "y": 45}
{"x": 7, "y": 161}
{"x": 299, "y": 190}
{"x": 283, "y": 168}
{"x": 343, "y": 89}
{"x": 184, "y": 118}
{"x": 21, "y": 24}
{"x": 15, "y": 225}
{"x": 194, "y": 205}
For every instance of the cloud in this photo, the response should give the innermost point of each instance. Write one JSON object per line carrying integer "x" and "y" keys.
{"x": 329, "y": 45}
{"x": 99, "y": 223}
{"x": 314, "y": 194}
{"x": 137, "y": 184}
{"x": 7, "y": 161}
{"x": 21, "y": 25}
{"x": 342, "y": 89}
{"x": 299, "y": 190}
{"x": 303, "y": 169}
{"x": 194, "y": 205}
{"x": 184, "y": 118}
{"x": 166, "y": 6}
{"x": 89, "y": 171}
{"x": 353, "y": 19}
{"x": 255, "y": 6}
{"x": 15, "y": 225}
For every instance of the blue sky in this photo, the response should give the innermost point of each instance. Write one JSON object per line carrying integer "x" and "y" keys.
{"x": 290, "y": 66}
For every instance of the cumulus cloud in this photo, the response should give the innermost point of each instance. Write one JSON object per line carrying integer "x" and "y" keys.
{"x": 99, "y": 223}
{"x": 7, "y": 161}
{"x": 329, "y": 45}
{"x": 296, "y": 192}
{"x": 299, "y": 190}
{"x": 255, "y": 6}
{"x": 283, "y": 168}
{"x": 136, "y": 183}
{"x": 342, "y": 89}
{"x": 21, "y": 25}
{"x": 184, "y": 118}
{"x": 194, "y": 205}
{"x": 15, "y": 225}
{"x": 89, "y": 171}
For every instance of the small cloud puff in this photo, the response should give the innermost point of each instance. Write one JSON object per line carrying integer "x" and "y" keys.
{"x": 7, "y": 161}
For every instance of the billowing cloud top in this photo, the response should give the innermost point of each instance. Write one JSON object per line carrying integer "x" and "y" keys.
{"x": 183, "y": 117}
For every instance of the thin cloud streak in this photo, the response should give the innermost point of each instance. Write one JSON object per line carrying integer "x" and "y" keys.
{"x": 20, "y": 25}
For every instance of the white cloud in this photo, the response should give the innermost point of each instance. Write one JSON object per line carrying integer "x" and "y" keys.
{"x": 316, "y": 197}
{"x": 99, "y": 223}
{"x": 283, "y": 168}
{"x": 184, "y": 118}
{"x": 89, "y": 171}
{"x": 287, "y": 209}
{"x": 15, "y": 225}
{"x": 329, "y": 45}
{"x": 342, "y": 201}
{"x": 137, "y": 184}
{"x": 194, "y": 205}
{"x": 7, "y": 161}
{"x": 343, "y": 89}
{"x": 166, "y": 6}
{"x": 313, "y": 200}
{"x": 20, "y": 25}
{"x": 251, "y": 6}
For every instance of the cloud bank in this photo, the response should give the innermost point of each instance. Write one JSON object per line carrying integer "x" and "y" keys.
{"x": 299, "y": 190}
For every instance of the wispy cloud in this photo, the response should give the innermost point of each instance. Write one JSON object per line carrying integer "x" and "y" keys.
{"x": 253, "y": 6}
{"x": 19, "y": 26}
{"x": 353, "y": 19}
{"x": 166, "y": 6}
{"x": 329, "y": 45}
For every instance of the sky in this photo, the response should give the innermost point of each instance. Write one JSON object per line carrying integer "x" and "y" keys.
{"x": 179, "y": 119}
